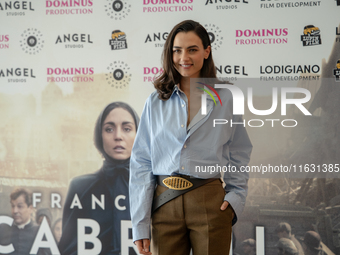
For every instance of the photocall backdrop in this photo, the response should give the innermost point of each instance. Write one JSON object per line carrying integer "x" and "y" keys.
{"x": 62, "y": 62}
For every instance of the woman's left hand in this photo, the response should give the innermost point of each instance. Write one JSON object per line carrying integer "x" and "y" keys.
{"x": 225, "y": 205}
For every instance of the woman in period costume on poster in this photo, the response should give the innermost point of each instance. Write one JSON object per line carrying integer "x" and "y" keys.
{"x": 114, "y": 135}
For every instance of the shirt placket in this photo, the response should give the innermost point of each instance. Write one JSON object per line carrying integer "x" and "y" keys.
{"x": 183, "y": 129}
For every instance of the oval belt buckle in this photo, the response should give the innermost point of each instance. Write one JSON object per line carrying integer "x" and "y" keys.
{"x": 177, "y": 183}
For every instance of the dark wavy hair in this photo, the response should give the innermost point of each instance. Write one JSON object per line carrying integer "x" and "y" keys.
{"x": 24, "y": 192}
{"x": 165, "y": 83}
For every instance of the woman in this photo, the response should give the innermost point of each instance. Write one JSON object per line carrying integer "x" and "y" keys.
{"x": 114, "y": 135}
{"x": 57, "y": 230}
{"x": 172, "y": 140}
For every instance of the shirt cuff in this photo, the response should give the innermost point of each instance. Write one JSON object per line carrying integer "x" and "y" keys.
{"x": 236, "y": 202}
{"x": 141, "y": 232}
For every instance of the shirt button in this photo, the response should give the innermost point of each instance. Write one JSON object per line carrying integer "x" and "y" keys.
{"x": 182, "y": 125}
{"x": 185, "y": 146}
{"x": 183, "y": 105}
{"x": 182, "y": 167}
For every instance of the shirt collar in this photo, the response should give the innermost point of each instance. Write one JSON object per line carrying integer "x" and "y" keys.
{"x": 22, "y": 226}
{"x": 176, "y": 90}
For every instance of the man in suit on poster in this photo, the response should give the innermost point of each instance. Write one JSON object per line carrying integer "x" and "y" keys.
{"x": 21, "y": 234}
{"x": 312, "y": 243}
{"x": 284, "y": 230}
{"x": 286, "y": 247}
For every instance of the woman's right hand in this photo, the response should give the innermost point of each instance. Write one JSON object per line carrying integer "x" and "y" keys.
{"x": 143, "y": 246}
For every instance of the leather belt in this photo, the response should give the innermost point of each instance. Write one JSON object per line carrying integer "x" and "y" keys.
{"x": 177, "y": 185}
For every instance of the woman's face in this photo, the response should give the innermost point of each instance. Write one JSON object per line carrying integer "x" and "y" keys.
{"x": 188, "y": 54}
{"x": 118, "y": 132}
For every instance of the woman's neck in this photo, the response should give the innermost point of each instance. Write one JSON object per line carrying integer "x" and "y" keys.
{"x": 185, "y": 86}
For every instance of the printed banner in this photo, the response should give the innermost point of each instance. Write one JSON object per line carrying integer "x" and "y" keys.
{"x": 75, "y": 73}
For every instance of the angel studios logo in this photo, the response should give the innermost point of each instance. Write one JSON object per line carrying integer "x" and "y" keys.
{"x": 32, "y": 41}
{"x": 17, "y": 74}
{"x": 311, "y": 36}
{"x": 214, "y": 33}
{"x": 226, "y": 71}
{"x": 16, "y": 8}
{"x": 157, "y": 38}
{"x": 117, "y": 9}
{"x": 75, "y": 40}
{"x": 118, "y": 75}
{"x": 228, "y": 5}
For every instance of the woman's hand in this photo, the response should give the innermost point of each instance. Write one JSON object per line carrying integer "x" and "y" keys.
{"x": 143, "y": 246}
{"x": 225, "y": 205}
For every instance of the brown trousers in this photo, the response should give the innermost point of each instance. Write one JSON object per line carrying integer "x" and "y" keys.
{"x": 192, "y": 220}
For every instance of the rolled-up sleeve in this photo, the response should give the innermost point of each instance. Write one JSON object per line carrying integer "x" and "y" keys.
{"x": 142, "y": 181}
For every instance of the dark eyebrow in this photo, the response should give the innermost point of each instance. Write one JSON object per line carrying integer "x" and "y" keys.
{"x": 109, "y": 123}
{"x": 113, "y": 124}
{"x": 127, "y": 122}
{"x": 192, "y": 46}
